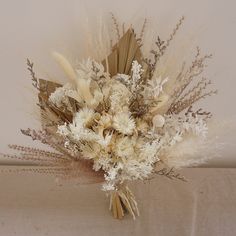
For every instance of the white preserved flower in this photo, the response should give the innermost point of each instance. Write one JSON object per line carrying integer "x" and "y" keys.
{"x": 84, "y": 116}
{"x": 134, "y": 170}
{"x": 101, "y": 163}
{"x": 124, "y": 147}
{"x": 104, "y": 141}
{"x": 124, "y": 123}
{"x": 197, "y": 125}
{"x": 158, "y": 121}
{"x": 105, "y": 121}
{"x": 78, "y": 132}
{"x": 149, "y": 151}
{"x": 108, "y": 186}
{"x": 114, "y": 172}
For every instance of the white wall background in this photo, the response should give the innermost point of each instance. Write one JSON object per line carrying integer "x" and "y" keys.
{"x": 33, "y": 28}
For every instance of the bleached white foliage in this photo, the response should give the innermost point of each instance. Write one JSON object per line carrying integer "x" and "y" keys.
{"x": 84, "y": 117}
{"x": 123, "y": 123}
{"x": 197, "y": 125}
{"x": 154, "y": 88}
{"x": 149, "y": 151}
{"x": 190, "y": 151}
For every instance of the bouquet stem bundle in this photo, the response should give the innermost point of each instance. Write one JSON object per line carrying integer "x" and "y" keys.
{"x": 122, "y": 201}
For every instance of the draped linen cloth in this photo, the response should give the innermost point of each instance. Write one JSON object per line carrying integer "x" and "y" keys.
{"x": 32, "y": 204}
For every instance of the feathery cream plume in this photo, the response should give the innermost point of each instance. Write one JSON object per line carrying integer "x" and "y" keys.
{"x": 65, "y": 65}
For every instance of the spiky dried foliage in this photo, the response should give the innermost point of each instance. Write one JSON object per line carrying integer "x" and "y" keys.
{"x": 184, "y": 97}
{"x": 61, "y": 163}
{"x": 30, "y": 66}
{"x": 161, "y": 47}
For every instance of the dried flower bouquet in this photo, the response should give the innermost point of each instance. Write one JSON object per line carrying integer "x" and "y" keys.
{"x": 119, "y": 119}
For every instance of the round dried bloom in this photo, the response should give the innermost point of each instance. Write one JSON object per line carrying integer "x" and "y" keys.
{"x": 158, "y": 121}
{"x": 123, "y": 123}
{"x": 85, "y": 116}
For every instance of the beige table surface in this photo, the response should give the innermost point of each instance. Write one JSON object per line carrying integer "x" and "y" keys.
{"x": 33, "y": 205}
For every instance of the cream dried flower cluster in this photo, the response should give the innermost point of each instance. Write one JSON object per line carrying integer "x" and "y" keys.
{"x": 121, "y": 119}
{"x": 125, "y": 146}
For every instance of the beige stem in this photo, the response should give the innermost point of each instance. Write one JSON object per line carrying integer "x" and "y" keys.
{"x": 121, "y": 201}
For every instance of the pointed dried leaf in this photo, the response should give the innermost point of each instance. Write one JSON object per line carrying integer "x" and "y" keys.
{"x": 123, "y": 54}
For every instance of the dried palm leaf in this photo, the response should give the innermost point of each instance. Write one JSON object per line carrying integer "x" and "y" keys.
{"x": 123, "y": 54}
